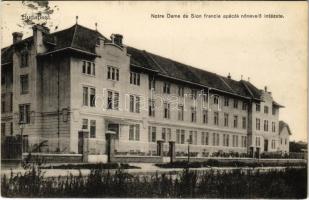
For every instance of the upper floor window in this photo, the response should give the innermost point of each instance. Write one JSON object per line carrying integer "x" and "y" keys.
{"x": 226, "y": 119}
{"x": 112, "y": 100}
{"x": 193, "y": 94}
{"x": 24, "y": 59}
{"x": 24, "y": 113}
{"x": 152, "y": 83}
{"x": 24, "y": 84}
{"x": 134, "y": 132}
{"x": 257, "y": 124}
{"x": 235, "y": 121}
{"x": 205, "y": 116}
{"x": 244, "y": 122}
{"x": 273, "y": 126}
{"x": 193, "y": 114}
{"x": 180, "y": 91}
{"x": 135, "y": 78}
{"x": 226, "y": 101}
{"x": 273, "y": 110}
{"x": 266, "y": 109}
{"x": 180, "y": 112}
{"x": 265, "y": 125}
{"x": 205, "y": 138}
{"x": 258, "y": 107}
{"x": 134, "y": 103}
{"x": 112, "y": 73}
{"x": 215, "y": 139}
{"x": 235, "y": 103}
{"x": 166, "y": 110}
{"x": 216, "y": 118}
{"x": 89, "y": 96}
{"x": 244, "y": 106}
{"x": 166, "y": 88}
{"x": 216, "y": 99}
{"x": 88, "y": 68}
{"x": 151, "y": 107}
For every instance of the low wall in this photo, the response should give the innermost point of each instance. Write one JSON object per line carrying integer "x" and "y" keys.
{"x": 246, "y": 160}
{"x": 55, "y": 158}
{"x": 137, "y": 159}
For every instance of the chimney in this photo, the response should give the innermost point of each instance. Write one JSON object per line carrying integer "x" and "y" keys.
{"x": 17, "y": 36}
{"x": 38, "y": 34}
{"x": 117, "y": 39}
{"x": 265, "y": 88}
{"x": 229, "y": 76}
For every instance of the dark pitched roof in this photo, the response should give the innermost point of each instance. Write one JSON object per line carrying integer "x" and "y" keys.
{"x": 83, "y": 38}
{"x": 283, "y": 124}
{"x": 7, "y": 55}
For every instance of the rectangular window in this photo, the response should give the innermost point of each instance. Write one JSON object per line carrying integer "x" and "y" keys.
{"x": 166, "y": 134}
{"x": 92, "y": 97}
{"x": 235, "y": 121}
{"x": 92, "y": 129}
{"x": 89, "y": 96}
{"x": 226, "y": 101}
{"x": 207, "y": 138}
{"x": 258, "y": 124}
{"x": 226, "y": 138}
{"x": 243, "y": 141}
{"x": 182, "y": 137}
{"x": 24, "y": 113}
{"x": 235, "y": 141}
{"x": 216, "y": 99}
{"x": 244, "y": 122}
{"x": 273, "y": 125}
{"x": 112, "y": 100}
{"x": 134, "y": 132}
{"x": 24, "y": 59}
{"x": 205, "y": 116}
{"x": 152, "y": 134}
{"x": 203, "y": 138}
{"x": 258, "y": 107}
{"x": 112, "y": 73}
{"x": 193, "y": 114}
{"x": 180, "y": 91}
{"x": 135, "y": 78}
{"x": 177, "y": 136}
{"x": 166, "y": 110}
{"x": 11, "y": 128}
{"x": 85, "y": 96}
{"x": 134, "y": 103}
{"x": 151, "y": 107}
{"x": 266, "y": 109}
{"x": 85, "y": 124}
{"x": 257, "y": 141}
{"x": 166, "y": 88}
{"x": 273, "y": 110}
{"x": 152, "y": 83}
{"x": 88, "y": 68}
{"x": 244, "y": 106}
{"x": 216, "y": 118}
{"x": 193, "y": 94}
{"x": 235, "y": 103}
{"x": 215, "y": 139}
{"x": 190, "y": 140}
{"x": 24, "y": 84}
{"x": 226, "y": 119}
{"x": 180, "y": 112}
{"x": 265, "y": 125}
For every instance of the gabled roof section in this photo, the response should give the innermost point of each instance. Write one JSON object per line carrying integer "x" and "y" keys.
{"x": 283, "y": 124}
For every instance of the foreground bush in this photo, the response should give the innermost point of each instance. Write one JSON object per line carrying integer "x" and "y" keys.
{"x": 291, "y": 183}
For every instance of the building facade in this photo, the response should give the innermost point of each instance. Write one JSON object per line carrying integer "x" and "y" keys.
{"x": 76, "y": 83}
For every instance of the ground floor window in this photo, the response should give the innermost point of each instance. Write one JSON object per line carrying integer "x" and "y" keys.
{"x": 92, "y": 128}
{"x": 134, "y": 132}
{"x": 152, "y": 134}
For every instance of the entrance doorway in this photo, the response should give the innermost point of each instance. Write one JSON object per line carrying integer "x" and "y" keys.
{"x": 115, "y": 128}
{"x": 265, "y": 145}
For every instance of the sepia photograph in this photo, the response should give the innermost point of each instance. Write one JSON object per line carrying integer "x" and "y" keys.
{"x": 154, "y": 99}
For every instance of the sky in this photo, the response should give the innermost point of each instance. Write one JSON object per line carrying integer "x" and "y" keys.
{"x": 271, "y": 51}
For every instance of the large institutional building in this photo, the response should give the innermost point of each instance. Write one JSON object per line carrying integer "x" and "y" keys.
{"x": 60, "y": 87}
